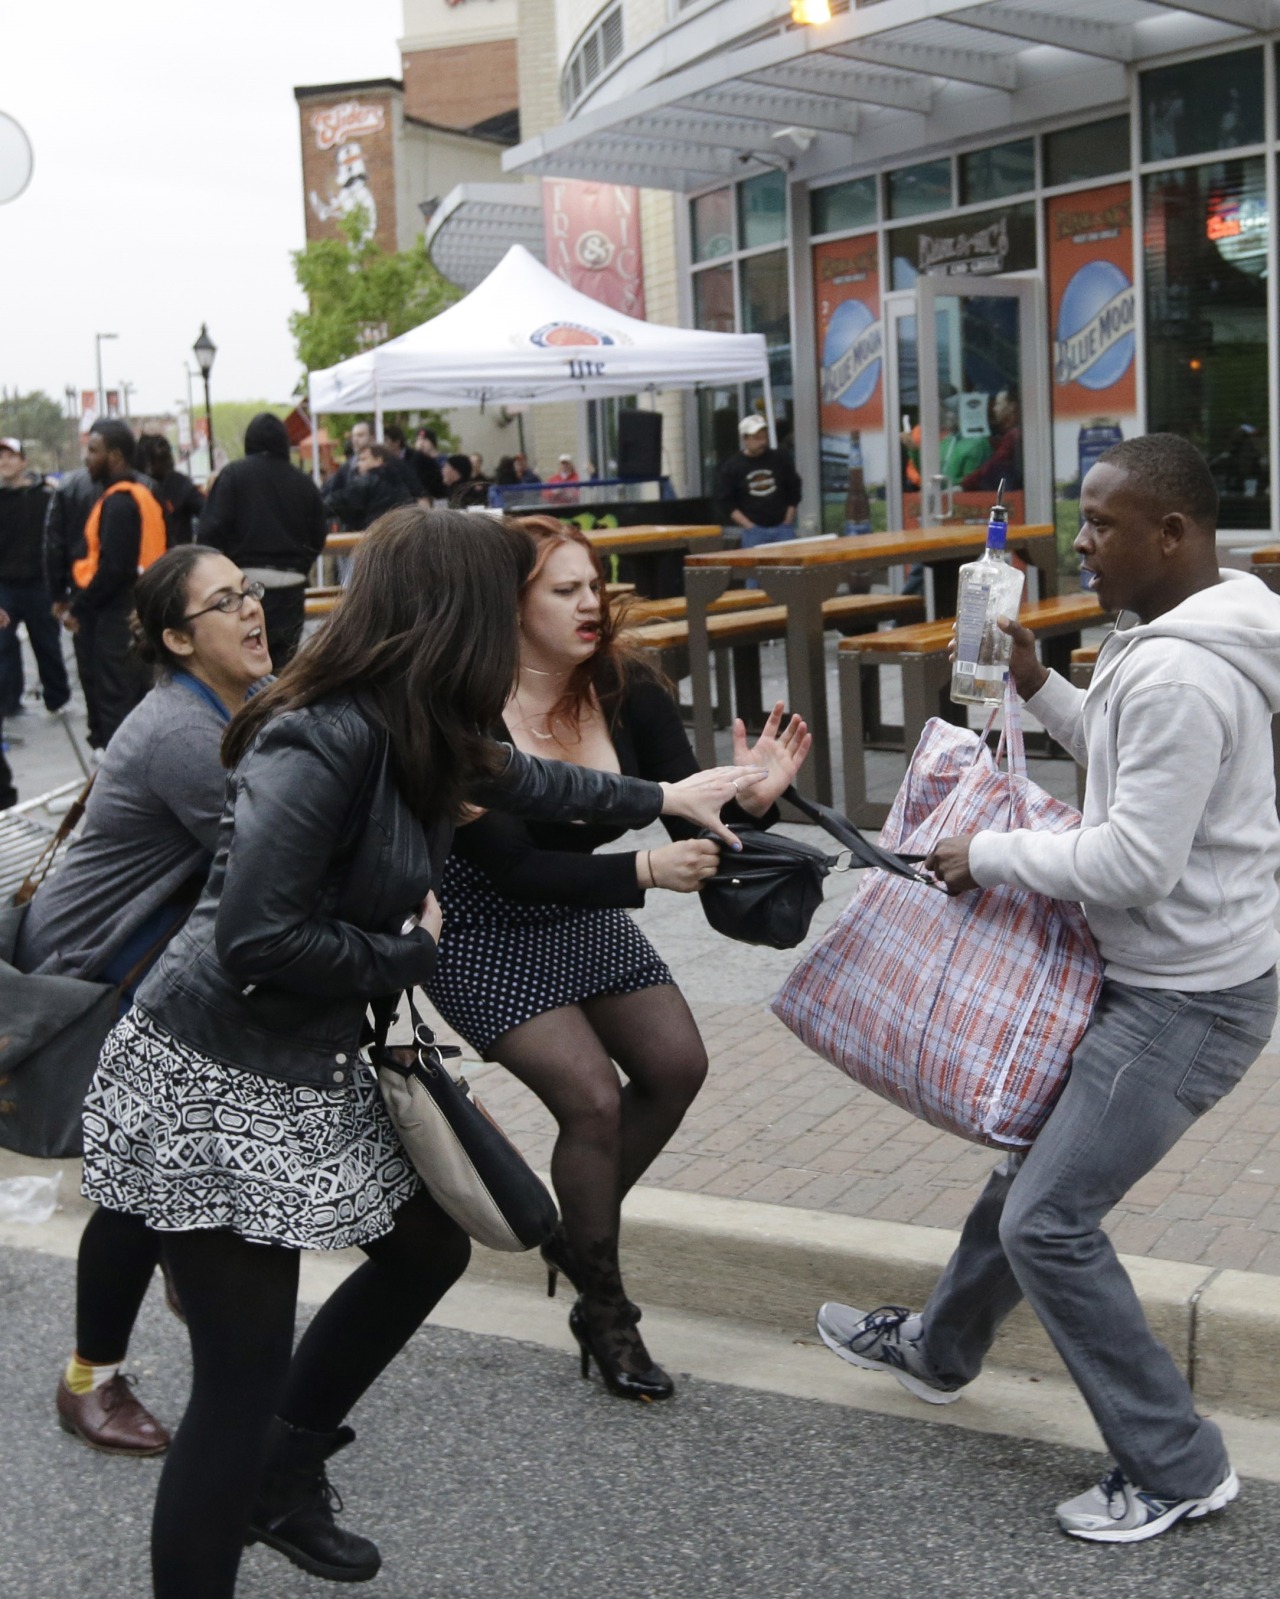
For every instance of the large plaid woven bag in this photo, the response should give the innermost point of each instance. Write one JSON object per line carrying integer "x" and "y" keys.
{"x": 963, "y": 1011}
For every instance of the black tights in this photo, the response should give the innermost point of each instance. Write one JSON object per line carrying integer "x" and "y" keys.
{"x": 118, "y": 1255}
{"x": 609, "y": 1133}
{"x": 240, "y": 1300}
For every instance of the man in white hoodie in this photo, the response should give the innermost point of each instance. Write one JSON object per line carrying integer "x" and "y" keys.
{"x": 1174, "y": 861}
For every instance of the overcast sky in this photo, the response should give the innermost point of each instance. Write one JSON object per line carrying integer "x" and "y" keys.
{"x": 167, "y": 188}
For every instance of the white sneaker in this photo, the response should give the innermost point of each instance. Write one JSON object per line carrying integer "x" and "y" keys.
{"x": 883, "y": 1340}
{"x": 1117, "y": 1512}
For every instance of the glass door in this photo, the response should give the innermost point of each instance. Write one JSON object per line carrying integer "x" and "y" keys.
{"x": 983, "y": 401}
{"x": 902, "y": 411}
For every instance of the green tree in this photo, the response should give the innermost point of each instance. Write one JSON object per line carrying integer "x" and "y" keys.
{"x": 231, "y": 417}
{"x": 359, "y": 295}
{"x": 50, "y": 439}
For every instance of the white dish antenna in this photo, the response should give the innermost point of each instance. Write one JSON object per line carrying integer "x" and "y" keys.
{"x": 15, "y": 159}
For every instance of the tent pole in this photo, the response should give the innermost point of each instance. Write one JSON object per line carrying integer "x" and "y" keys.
{"x": 377, "y": 410}
{"x": 768, "y": 411}
{"x": 315, "y": 433}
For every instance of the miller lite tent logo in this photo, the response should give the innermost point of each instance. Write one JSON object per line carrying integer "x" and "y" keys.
{"x": 1094, "y": 340}
{"x": 568, "y": 335}
{"x": 851, "y": 356}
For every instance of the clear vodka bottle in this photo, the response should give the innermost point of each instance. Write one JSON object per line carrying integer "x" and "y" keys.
{"x": 990, "y": 587}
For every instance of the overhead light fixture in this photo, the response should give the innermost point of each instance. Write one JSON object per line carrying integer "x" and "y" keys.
{"x": 809, "y": 13}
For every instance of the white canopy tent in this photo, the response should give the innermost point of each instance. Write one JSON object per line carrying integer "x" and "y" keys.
{"x": 523, "y": 336}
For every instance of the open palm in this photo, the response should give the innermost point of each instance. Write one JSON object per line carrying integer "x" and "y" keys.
{"x": 779, "y": 751}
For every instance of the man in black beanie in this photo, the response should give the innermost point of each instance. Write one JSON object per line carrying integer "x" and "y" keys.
{"x": 268, "y": 517}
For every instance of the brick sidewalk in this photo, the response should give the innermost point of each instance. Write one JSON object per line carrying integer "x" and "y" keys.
{"x": 774, "y": 1123}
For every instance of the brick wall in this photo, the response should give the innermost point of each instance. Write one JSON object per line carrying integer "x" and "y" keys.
{"x": 460, "y": 85}
{"x": 335, "y": 122}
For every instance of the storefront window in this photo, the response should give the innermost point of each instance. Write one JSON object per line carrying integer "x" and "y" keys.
{"x": 717, "y": 433}
{"x": 766, "y": 309}
{"x": 1002, "y": 170}
{"x": 1206, "y": 242}
{"x": 713, "y": 300}
{"x": 762, "y": 210}
{"x": 843, "y": 207}
{"x": 914, "y": 190}
{"x": 712, "y": 216}
{"x": 1211, "y": 104}
{"x": 1093, "y": 150}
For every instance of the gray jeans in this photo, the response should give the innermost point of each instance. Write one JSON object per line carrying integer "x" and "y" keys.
{"x": 1151, "y": 1062}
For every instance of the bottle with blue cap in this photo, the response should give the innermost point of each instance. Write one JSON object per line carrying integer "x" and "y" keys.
{"x": 990, "y": 587}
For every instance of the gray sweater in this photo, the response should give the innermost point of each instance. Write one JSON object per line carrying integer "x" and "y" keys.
{"x": 151, "y": 823}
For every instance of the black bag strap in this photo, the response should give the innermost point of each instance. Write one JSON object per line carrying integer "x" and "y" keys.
{"x": 863, "y": 851}
{"x": 385, "y": 1012}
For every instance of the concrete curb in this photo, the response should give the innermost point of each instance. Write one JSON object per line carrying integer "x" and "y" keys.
{"x": 773, "y": 1265}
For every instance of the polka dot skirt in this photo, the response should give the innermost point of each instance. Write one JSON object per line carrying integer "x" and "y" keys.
{"x": 503, "y": 961}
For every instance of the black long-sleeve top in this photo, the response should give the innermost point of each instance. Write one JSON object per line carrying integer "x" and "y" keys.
{"x": 554, "y": 861}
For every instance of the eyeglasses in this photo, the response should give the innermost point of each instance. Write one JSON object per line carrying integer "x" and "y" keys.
{"x": 231, "y": 604}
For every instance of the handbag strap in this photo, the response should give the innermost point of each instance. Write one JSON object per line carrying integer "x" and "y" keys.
{"x": 1012, "y": 745}
{"x": 35, "y": 877}
{"x": 853, "y": 839}
{"x": 385, "y": 1012}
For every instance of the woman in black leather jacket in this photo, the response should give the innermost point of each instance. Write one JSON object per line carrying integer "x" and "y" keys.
{"x": 230, "y": 1107}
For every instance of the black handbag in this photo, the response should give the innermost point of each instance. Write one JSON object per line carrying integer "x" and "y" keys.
{"x": 766, "y": 893}
{"x": 471, "y": 1168}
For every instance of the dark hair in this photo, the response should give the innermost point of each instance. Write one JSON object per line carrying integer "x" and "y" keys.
{"x": 428, "y": 433}
{"x": 379, "y": 452}
{"x": 605, "y": 673}
{"x": 154, "y": 455}
{"x": 160, "y": 600}
{"x": 116, "y": 436}
{"x": 394, "y": 434}
{"x": 461, "y": 464}
{"x": 1169, "y": 471}
{"x": 425, "y": 632}
{"x": 505, "y": 471}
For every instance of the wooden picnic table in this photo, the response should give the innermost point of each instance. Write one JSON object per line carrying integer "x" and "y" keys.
{"x": 655, "y": 539}
{"x": 801, "y": 574}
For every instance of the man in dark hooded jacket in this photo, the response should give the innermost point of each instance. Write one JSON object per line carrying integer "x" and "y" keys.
{"x": 268, "y": 517}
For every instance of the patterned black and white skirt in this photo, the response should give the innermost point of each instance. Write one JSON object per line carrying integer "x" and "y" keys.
{"x": 189, "y": 1143}
{"x": 503, "y": 961}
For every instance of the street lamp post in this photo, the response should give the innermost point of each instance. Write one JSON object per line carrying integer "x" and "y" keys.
{"x": 204, "y": 350}
{"x": 102, "y": 393}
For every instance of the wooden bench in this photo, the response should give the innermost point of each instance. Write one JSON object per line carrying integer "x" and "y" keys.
{"x": 743, "y": 628}
{"x": 1266, "y": 565}
{"x": 922, "y": 653}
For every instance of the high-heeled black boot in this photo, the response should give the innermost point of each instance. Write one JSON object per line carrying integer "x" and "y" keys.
{"x": 559, "y": 1258}
{"x": 608, "y": 1335}
{"x": 294, "y": 1513}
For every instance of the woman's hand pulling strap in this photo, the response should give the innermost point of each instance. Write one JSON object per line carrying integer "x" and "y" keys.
{"x": 700, "y": 798}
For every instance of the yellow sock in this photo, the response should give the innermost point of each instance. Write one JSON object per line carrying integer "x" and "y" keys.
{"x": 82, "y": 1378}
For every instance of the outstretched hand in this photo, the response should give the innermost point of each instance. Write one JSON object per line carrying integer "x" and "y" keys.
{"x": 779, "y": 756}
{"x": 700, "y": 798}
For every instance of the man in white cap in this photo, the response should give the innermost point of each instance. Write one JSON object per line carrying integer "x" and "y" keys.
{"x": 565, "y": 472}
{"x": 760, "y": 486}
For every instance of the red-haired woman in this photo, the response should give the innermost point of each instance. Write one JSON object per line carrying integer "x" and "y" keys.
{"x": 541, "y": 968}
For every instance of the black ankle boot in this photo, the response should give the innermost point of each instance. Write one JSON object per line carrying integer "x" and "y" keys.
{"x": 294, "y": 1513}
{"x": 560, "y": 1260}
{"x": 607, "y": 1334}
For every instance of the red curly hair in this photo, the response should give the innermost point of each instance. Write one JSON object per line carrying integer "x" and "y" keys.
{"x": 603, "y": 675}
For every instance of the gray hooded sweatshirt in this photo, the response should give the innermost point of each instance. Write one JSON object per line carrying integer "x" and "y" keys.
{"x": 1176, "y": 856}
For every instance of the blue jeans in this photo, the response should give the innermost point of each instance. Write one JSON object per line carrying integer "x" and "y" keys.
{"x": 751, "y": 536}
{"x": 30, "y": 603}
{"x": 1151, "y": 1062}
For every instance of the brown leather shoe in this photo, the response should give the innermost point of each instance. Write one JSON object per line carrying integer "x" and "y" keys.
{"x": 111, "y": 1419}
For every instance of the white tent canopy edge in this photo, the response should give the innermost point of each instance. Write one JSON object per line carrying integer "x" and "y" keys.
{"x": 522, "y": 337}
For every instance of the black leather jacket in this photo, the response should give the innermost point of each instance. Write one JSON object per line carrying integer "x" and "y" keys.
{"x": 319, "y": 864}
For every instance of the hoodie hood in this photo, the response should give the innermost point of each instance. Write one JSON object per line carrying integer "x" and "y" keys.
{"x": 266, "y": 435}
{"x": 1238, "y": 619}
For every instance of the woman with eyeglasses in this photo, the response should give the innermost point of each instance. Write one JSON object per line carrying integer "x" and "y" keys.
{"x": 124, "y": 887}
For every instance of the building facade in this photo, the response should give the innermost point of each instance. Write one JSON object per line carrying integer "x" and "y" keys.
{"x": 975, "y": 235}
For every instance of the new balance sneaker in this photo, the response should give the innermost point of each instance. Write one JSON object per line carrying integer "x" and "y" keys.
{"x": 883, "y": 1340}
{"x": 1117, "y": 1512}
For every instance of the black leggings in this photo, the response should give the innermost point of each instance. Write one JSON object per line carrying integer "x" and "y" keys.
{"x": 118, "y": 1255}
{"x": 240, "y": 1300}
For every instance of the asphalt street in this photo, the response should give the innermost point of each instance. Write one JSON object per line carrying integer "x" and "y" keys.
{"x": 486, "y": 1469}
